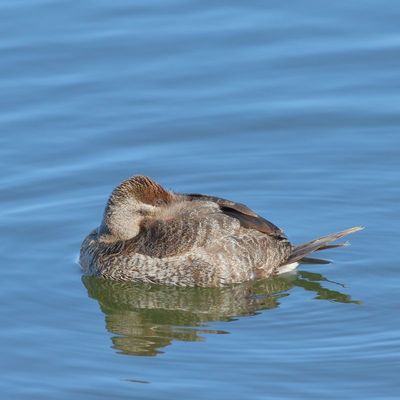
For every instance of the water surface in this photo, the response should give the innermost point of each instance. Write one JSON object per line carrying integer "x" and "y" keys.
{"x": 290, "y": 108}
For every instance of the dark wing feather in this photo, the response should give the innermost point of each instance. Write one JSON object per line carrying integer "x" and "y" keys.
{"x": 223, "y": 203}
{"x": 247, "y": 217}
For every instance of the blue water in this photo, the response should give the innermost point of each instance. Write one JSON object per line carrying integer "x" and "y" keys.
{"x": 290, "y": 107}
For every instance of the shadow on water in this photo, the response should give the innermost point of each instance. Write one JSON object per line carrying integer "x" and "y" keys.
{"x": 146, "y": 318}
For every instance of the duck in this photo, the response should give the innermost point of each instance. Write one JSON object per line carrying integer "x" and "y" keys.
{"x": 153, "y": 235}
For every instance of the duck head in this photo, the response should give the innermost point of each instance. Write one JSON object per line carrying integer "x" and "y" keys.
{"x": 130, "y": 203}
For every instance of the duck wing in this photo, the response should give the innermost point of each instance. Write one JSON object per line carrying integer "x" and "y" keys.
{"x": 247, "y": 217}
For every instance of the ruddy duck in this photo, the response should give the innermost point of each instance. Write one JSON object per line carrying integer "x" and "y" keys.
{"x": 149, "y": 234}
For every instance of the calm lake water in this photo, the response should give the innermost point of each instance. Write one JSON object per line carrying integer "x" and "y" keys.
{"x": 291, "y": 108}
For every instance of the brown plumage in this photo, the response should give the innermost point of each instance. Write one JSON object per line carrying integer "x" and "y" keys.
{"x": 149, "y": 234}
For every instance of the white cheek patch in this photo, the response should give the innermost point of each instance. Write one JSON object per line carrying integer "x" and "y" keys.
{"x": 146, "y": 208}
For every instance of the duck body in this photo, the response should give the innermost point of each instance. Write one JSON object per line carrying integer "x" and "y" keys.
{"x": 149, "y": 234}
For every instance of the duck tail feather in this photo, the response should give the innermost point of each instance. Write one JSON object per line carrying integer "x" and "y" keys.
{"x": 301, "y": 251}
{"x": 333, "y": 246}
{"x": 313, "y": 260}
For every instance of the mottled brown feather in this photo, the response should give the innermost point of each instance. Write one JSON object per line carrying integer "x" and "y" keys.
{"x": 143, "y": 189}
{"x": 247, "y": 217}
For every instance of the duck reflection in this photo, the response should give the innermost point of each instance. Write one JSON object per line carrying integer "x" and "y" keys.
{"x": 146, "y": 318}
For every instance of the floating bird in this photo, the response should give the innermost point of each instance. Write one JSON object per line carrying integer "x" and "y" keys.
{"x": 150, "y": 234}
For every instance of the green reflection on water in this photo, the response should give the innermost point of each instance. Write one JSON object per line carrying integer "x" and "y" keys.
{"x": 146, "y": 318}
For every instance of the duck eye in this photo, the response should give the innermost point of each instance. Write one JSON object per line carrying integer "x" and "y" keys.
{"x": 159, "y": 202}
